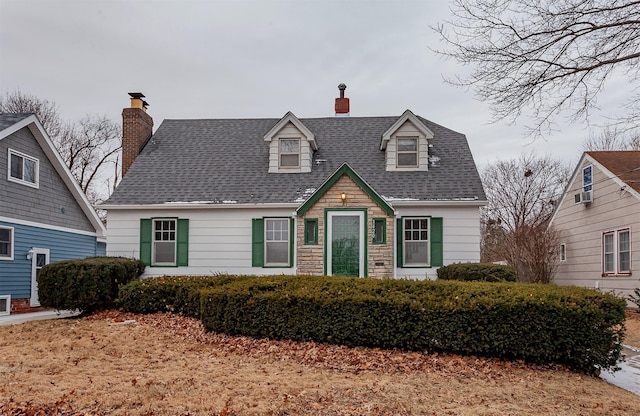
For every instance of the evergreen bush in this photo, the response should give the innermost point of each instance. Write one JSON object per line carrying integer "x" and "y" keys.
{"x": 85, "y": 284}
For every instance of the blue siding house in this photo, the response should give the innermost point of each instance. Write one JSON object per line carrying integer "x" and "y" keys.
{"x": 44, "y": 215}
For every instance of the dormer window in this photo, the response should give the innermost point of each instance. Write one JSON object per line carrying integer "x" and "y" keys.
{"x": 289, "y": 153}
{"x": 407, "y": 152}
{"x": 23, "y": 168}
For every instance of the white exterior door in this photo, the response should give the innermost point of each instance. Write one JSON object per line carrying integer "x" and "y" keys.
{"x": 40, "y": 257}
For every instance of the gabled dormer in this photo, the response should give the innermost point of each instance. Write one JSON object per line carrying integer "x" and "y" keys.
{"x": 406, "y": 144}
{"x": 291, "y": 146}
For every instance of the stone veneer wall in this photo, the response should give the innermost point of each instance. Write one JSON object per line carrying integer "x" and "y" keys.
{"x": 311, "y": 257}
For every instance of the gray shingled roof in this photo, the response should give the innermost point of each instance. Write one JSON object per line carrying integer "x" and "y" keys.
{"x": 9, "y": 119}
{"x": 227, "y": 160}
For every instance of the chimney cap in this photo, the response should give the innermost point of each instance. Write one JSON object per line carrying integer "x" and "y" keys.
{"x": 136, "y": 95}
{"x": 342, "y": 87}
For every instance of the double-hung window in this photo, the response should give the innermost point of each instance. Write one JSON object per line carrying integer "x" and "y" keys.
{"x": 23, "y": 168}
{"x": 616, "y": 252}
{"x": 407, "y": 153}
{"x": 289, "y": 153}
{"x": 276, "y": 247}
{"x": 6, "y": 243}
{"x": 416, "y": 241}
{"x": 164, "y": 241}
{"x": 419, "y": 241}
{"x": 272, "y": 241}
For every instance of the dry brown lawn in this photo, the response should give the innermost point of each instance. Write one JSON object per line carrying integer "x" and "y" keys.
{"x": 162, "y": 364}
{"x": 633, "y": 328}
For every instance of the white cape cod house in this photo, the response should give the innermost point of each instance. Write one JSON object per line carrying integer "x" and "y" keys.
{"x": 393, "y": 196}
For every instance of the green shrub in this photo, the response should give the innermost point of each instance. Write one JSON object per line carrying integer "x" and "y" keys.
{"x": 177, "y": 294}
{"x": 577, "y": 327}
{"x": 484, "y": 272}
{"x": 86, "y": 284}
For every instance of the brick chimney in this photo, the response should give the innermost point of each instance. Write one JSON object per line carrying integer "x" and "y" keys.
{"x": 342, "y": 104}
{"x": 137, "y": 127}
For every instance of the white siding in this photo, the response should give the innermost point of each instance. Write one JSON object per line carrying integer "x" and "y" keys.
{"x": 408, "y": 130}
{"x": 581, "y": 228}
{"x": 219, "y": 239}
{"x": 306, "y": 152}
{"x": 460, "y": 237}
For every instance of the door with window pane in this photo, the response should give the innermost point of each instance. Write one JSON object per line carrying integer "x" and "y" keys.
{"x": 345, "y": 251}
{"x": 39, "y": 258}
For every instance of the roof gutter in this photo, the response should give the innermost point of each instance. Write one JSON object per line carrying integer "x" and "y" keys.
{"x": 191, "y": 205}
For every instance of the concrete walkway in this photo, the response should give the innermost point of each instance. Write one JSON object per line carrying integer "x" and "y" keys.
{"x": 19, "y": 318}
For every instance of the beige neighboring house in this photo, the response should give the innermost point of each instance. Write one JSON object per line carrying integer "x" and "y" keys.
{"x": 599, "y": 223}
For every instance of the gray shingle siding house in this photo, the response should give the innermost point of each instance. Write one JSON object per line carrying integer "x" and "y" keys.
{"x": 362, "y": 196}
{"x": 44, "y": 216}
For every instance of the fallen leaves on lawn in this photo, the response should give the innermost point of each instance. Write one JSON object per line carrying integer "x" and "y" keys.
{"x": 335, "y": 357}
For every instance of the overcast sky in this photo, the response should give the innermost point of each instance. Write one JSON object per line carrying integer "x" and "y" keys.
{"x": 253, "y": 59}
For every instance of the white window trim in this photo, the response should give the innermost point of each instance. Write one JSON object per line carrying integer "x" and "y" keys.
{"x": 35, "y": 184}
{"x": 404, "y": 242}
{"x": 8, "y": 310}
{"x": 616, "y": 253}
{"x": 563, "y": 252}
{"x": 153, "y": 243}
{"x": 398, "y": 152}
{"x": 299, "y": 153}
{"x": 11, "y": 243}
{"x": 266, "y": 242}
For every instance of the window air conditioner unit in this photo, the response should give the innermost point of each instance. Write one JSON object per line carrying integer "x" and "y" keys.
{"x": 583, "y": 197}
{"x": 5, "y": 304}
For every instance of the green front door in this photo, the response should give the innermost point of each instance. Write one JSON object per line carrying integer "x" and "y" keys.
{"x": 345, "y": 245}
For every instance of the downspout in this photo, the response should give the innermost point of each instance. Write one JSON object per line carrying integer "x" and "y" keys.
{"x": 395, "y": 245}
{"x": 295, "y": 243}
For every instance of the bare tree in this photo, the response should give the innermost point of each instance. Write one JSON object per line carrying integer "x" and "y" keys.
{"x": 548, "y": 56}
{"x": 522, "y": 194}
{"x": 87, "y": 147}
{"x": 612, "y": 139}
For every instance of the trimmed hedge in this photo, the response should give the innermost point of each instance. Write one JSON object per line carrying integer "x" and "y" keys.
{"x": 177, "y": 294}
{"x": 580, "y": 328}
{"x": 485, "y": 272}
{"x": 86, "y": 284}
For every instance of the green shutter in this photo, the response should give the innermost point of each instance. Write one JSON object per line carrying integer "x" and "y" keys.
{"x": 399, "y": 239}
{"x": 436, "y": 242}
{"x": 145, "y": 240}
{"x": 291, "y": 238}
{"x": 183, "y": 242}
{"x": 257, "y": 242}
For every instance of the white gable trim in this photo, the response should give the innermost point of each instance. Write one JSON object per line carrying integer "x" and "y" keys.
{"x": 54, "y": 157}
{"x": 578, "y": 170}
{"x": 406, "y": 116}
{"x": 291, "y": 118}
